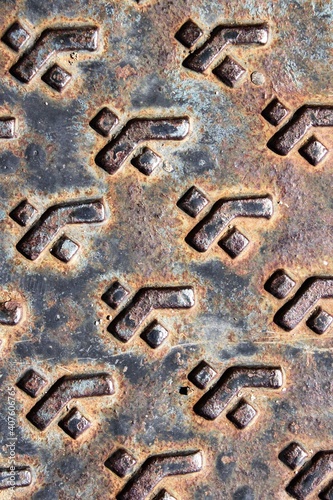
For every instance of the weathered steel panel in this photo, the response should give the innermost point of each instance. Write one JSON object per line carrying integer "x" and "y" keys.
{"x": 166, "y": 272}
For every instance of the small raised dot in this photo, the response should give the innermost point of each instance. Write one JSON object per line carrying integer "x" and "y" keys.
{"x": 257, "y": 78}
{"x": 164, "y": 495}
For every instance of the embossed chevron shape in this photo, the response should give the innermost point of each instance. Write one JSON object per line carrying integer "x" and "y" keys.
{"x": 131, "y": 135}
{"x": 152, "y": 471}
{"x": 44, "y": 231}
{"x": 213, "y": 225}
{"x": 304, "y": 303}
{"x": 144, "y": 302}
{"x": 226, "y": 389}
{"x": 60, "y": 394}
{"x": 229, "y": 71}
{"x": 51, "y": 41}
{"x": 295, "y": 133}
{"x": 309, "y": 475}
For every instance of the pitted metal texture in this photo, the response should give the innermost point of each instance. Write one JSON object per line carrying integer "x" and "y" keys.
{"x": 166, "y": 301}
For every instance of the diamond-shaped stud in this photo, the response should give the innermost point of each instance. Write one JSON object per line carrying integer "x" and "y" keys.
{"x": 164, "y": 495}
{"x": 121, "y": 462}
{"x": 104, "y": 121}
{"x": 64, "y": 249}
{"x": 7, "y": 127}
{"x": 31, "y": 383}
{"x": 320, "y": 321}
{"x": 327, "y": 493}
{"x": 155, "y": 334}
{"x": 275, "y": 112}
{"x": 147, "y": 161}
{"x": 202, "y": 374}
{"x": 114, "y": 296}
{"x": 16, "y": 36}
{"x": 313, "y": 151}
{"x": 57, "y": 77}
{"x": 293, "y": 455}
{"x": 193, "y": 202}
{"x": 279, "y": 284}
{"x": 230, "y": 72}
{"x": 74, "y": 423}
{"x": 23, "y": 213}
{"x": 242, "y": 415}
{"x": 188, "y": 34}
{"x": 234, "y": 243}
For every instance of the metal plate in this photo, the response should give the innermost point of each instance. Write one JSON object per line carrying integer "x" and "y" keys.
{"x": 166, "y": 251}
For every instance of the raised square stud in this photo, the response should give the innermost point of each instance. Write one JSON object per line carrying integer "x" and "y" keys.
{"x": 57, "y": 77}
{"x": 16, "y": 36}
{"x": 188, "y": 34}
{"x": 230, "y": 72}
{"x": 234, "y": 243}
{"x": 242, "y": 415}
{"x": 104, "y": 121}
{"x": 202, "y": 375}
{"x": 193, "y": 202}
{"x": 147, "y": 161}
{"x": 293, "y": 455}
{"x": 313, "y": 151}
{"x": 32, "y": 383}
{"x": 121, "y": 462}
{"x": 275, "y": 112}
{"x": 155, "y": 334}
{"x": 279, "y": 284}
{"x": 23, "y": 213}
{"x": 74, "y": 423}
{"x": 114, "y": 295}
{"x": 320, "y": 321}
{"x": 64, "y": 249}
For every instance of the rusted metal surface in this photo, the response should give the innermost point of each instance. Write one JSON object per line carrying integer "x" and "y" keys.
{"x": 166, "y": 330}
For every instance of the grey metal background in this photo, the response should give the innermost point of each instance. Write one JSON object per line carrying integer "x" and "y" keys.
{"x": 137, "y": 71}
